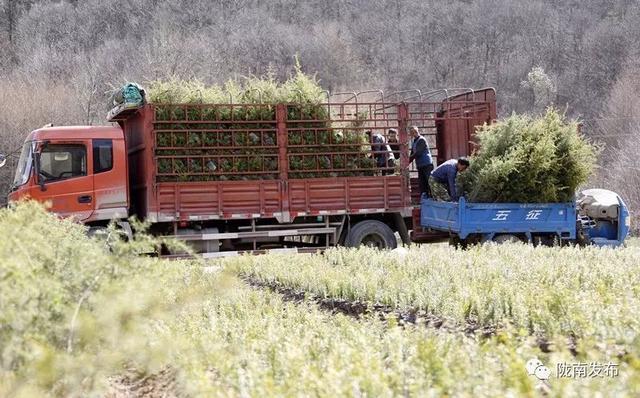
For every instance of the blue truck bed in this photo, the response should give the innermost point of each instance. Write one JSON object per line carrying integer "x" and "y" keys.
{"x": 490, "y": 219}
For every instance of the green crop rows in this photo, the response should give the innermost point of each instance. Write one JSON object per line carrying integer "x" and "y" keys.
{"x": 545, "y": 292}
{"x": 80, "y": 320}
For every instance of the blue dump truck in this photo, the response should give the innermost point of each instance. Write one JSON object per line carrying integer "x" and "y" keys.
{"x": 597, "y": 217}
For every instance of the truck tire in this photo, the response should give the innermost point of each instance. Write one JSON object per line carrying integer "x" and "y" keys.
{"x": 507, "y": 238}
{"x": 105, "y": 236}
{"x": 371, "y": 233}
{"x": 458, "y": 243}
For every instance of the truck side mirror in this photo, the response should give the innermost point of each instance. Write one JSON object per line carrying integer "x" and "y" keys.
{"x": 3, "y": 159}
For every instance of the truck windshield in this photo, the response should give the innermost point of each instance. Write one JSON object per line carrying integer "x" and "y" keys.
{"x": 23, "y": 170}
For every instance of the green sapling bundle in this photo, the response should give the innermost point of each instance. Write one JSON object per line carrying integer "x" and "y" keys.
{"x": 523, "y": 159}
{"x": 206, "y": 133}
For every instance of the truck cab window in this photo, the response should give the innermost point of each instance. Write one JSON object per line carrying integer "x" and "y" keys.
{"x": 58, "y": 162}
{"x": 23, "y": 170}
{"x": 102, "y": 156}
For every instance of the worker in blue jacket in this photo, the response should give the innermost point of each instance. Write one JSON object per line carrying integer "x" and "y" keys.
{"x": 443, "y": 178}
{"x": 421, "y": 153}
{"x": 381, "y": 152}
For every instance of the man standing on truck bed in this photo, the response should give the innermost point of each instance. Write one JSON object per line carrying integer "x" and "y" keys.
{"x": 421, "y": 153}
{"x": 381, "y": 152}
{"x": 392, "y": 135}
{"x": 443, "y": 179}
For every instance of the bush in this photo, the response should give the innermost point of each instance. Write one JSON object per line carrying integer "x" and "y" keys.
{"x": 72, "y": 313}
{"x": 524, "y": 159}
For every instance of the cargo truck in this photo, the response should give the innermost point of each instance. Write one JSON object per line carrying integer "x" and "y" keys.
{"x": 229, "y": 183}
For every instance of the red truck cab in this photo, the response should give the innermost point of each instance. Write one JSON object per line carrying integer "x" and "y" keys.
{"x": 79, "y": 171}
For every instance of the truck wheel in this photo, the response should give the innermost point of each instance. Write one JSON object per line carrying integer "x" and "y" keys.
{"x": 458, "y": 243}
{"x": 371, "y": 233}
{"x": 506, "y": 238}
{"x": 105, "y": 236}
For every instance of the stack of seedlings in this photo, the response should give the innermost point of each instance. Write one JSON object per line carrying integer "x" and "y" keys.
{"x": 529, "y": 160}
{"x": 318, "y": 147}
{"x": 217, "y": 133}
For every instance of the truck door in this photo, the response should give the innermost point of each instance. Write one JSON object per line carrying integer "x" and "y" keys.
{"x": 109, "y": 179}
{"x": 68, "y": 185}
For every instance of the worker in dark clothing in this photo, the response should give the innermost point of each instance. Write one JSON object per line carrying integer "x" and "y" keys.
{"x": 421, "y": 153}
{"x": 443, "y": 179}
{"x": 381, "y": 152}
{"x": 394, "y": 144}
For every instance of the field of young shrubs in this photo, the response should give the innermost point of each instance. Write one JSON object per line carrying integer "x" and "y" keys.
{"x": 78, "y": 319}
